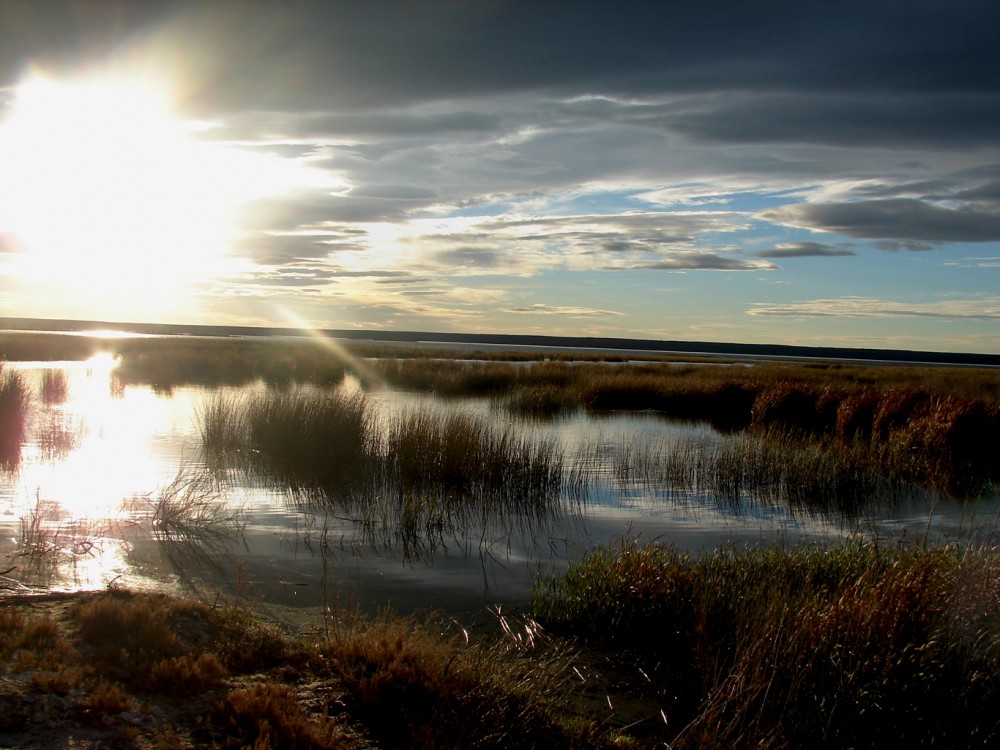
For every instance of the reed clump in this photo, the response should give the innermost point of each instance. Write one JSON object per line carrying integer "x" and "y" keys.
{"x": 55, "y": 386}
{"x": 306, "y": 437}
{"x": 419, "y": 472}
{"x": 15, "y": 405}
{"x": 849, "y": 646}
{"x": 459, "y": 456}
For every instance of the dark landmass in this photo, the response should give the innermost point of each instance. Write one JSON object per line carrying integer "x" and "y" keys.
{"x": 776, "y": 351}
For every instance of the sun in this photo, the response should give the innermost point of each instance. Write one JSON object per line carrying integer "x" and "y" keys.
{"x": 109, "y": 196}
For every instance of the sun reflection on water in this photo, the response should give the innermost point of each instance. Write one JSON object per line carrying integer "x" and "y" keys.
{"x": 66, "y": 513}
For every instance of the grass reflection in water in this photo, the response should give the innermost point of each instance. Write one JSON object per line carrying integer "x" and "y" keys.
{"x": 411, "y": 479}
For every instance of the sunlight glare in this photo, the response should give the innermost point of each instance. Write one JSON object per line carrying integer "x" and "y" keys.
{"x": 102, "y": 363}
{"x": 105, "y": 191}
{"x": 333, "y": 346}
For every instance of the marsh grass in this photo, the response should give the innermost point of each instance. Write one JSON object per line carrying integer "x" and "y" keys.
{"x": 169, "y": 362}
{"x": 934, "y": 426}
{"x": 820, "y": 477}
{"x": 414, "y": 477}
{"x": 55, "y": 387}
{"x": 539, "y": 401}
{"x": 850, "y": 646}
{"x": 57, "y": 435}
{"x": 305, "y": 437}
{"x": 15, "y": 405}
{"x": 463, "y": 457}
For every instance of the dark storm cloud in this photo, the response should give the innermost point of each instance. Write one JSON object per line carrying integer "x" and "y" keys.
{"x": 288, "y": 55}
{"x": 804, "y": 250}
{"x": 899, "y": 219}
{"x": 934, "y": 119}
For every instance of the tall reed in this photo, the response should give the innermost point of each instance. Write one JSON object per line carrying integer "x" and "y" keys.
{"x": 15, "y": 405}
{"x": 55, "y": 386}
{"x": 305, "y": 437}
{"x": 414, "y": 476}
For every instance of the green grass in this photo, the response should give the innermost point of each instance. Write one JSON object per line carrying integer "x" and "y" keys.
{"x": 848, "y": 646}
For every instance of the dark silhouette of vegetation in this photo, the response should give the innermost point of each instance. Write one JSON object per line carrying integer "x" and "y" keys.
{"x": 850, "y": 646}
{"x": 130, "y": 669}
{"x": 15, "y": 403}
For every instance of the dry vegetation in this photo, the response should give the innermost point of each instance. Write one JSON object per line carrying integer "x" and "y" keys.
{"x": 127, "y": 670}
{"x": 936, "y": 426}
{"x": 851, "y": 646}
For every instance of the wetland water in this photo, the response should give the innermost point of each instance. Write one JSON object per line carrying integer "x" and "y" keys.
{"x": 78, "y": 510}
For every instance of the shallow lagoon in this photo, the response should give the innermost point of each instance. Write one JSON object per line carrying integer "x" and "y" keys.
{"x": 98, "y": 455}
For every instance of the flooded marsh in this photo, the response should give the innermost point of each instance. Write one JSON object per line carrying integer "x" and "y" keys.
{"x": 453, "y": 484}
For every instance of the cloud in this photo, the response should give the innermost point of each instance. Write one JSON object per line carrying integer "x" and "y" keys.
{"x": 268, "y": 248}
{"x": 573, "y": 312}
{"x": 984, "y": 308}
{"x": 897, "y": 219}
{"x": 705, "y": 262}
{"x": 913, "y": 246}
{"x": 359, "y": 54}
{"x": 993, "y": 262}
{"x": 945, "y": 120}
{"x": 804, "y": 250}
{"x": 474, "y": 258}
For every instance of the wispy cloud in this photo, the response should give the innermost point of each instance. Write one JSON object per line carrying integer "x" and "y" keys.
{"x": 985, "y": 308}
{"x": 572, "y": 312}
{"x": 706, "y": 262}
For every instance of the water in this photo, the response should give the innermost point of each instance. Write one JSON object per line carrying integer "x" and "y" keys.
{"x": 97, "y": 457}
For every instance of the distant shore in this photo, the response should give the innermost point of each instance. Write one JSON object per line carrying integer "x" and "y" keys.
{"x": 721, "y": 349}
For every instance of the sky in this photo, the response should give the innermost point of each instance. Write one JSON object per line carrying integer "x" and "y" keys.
{"x": 811, "y": 173}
